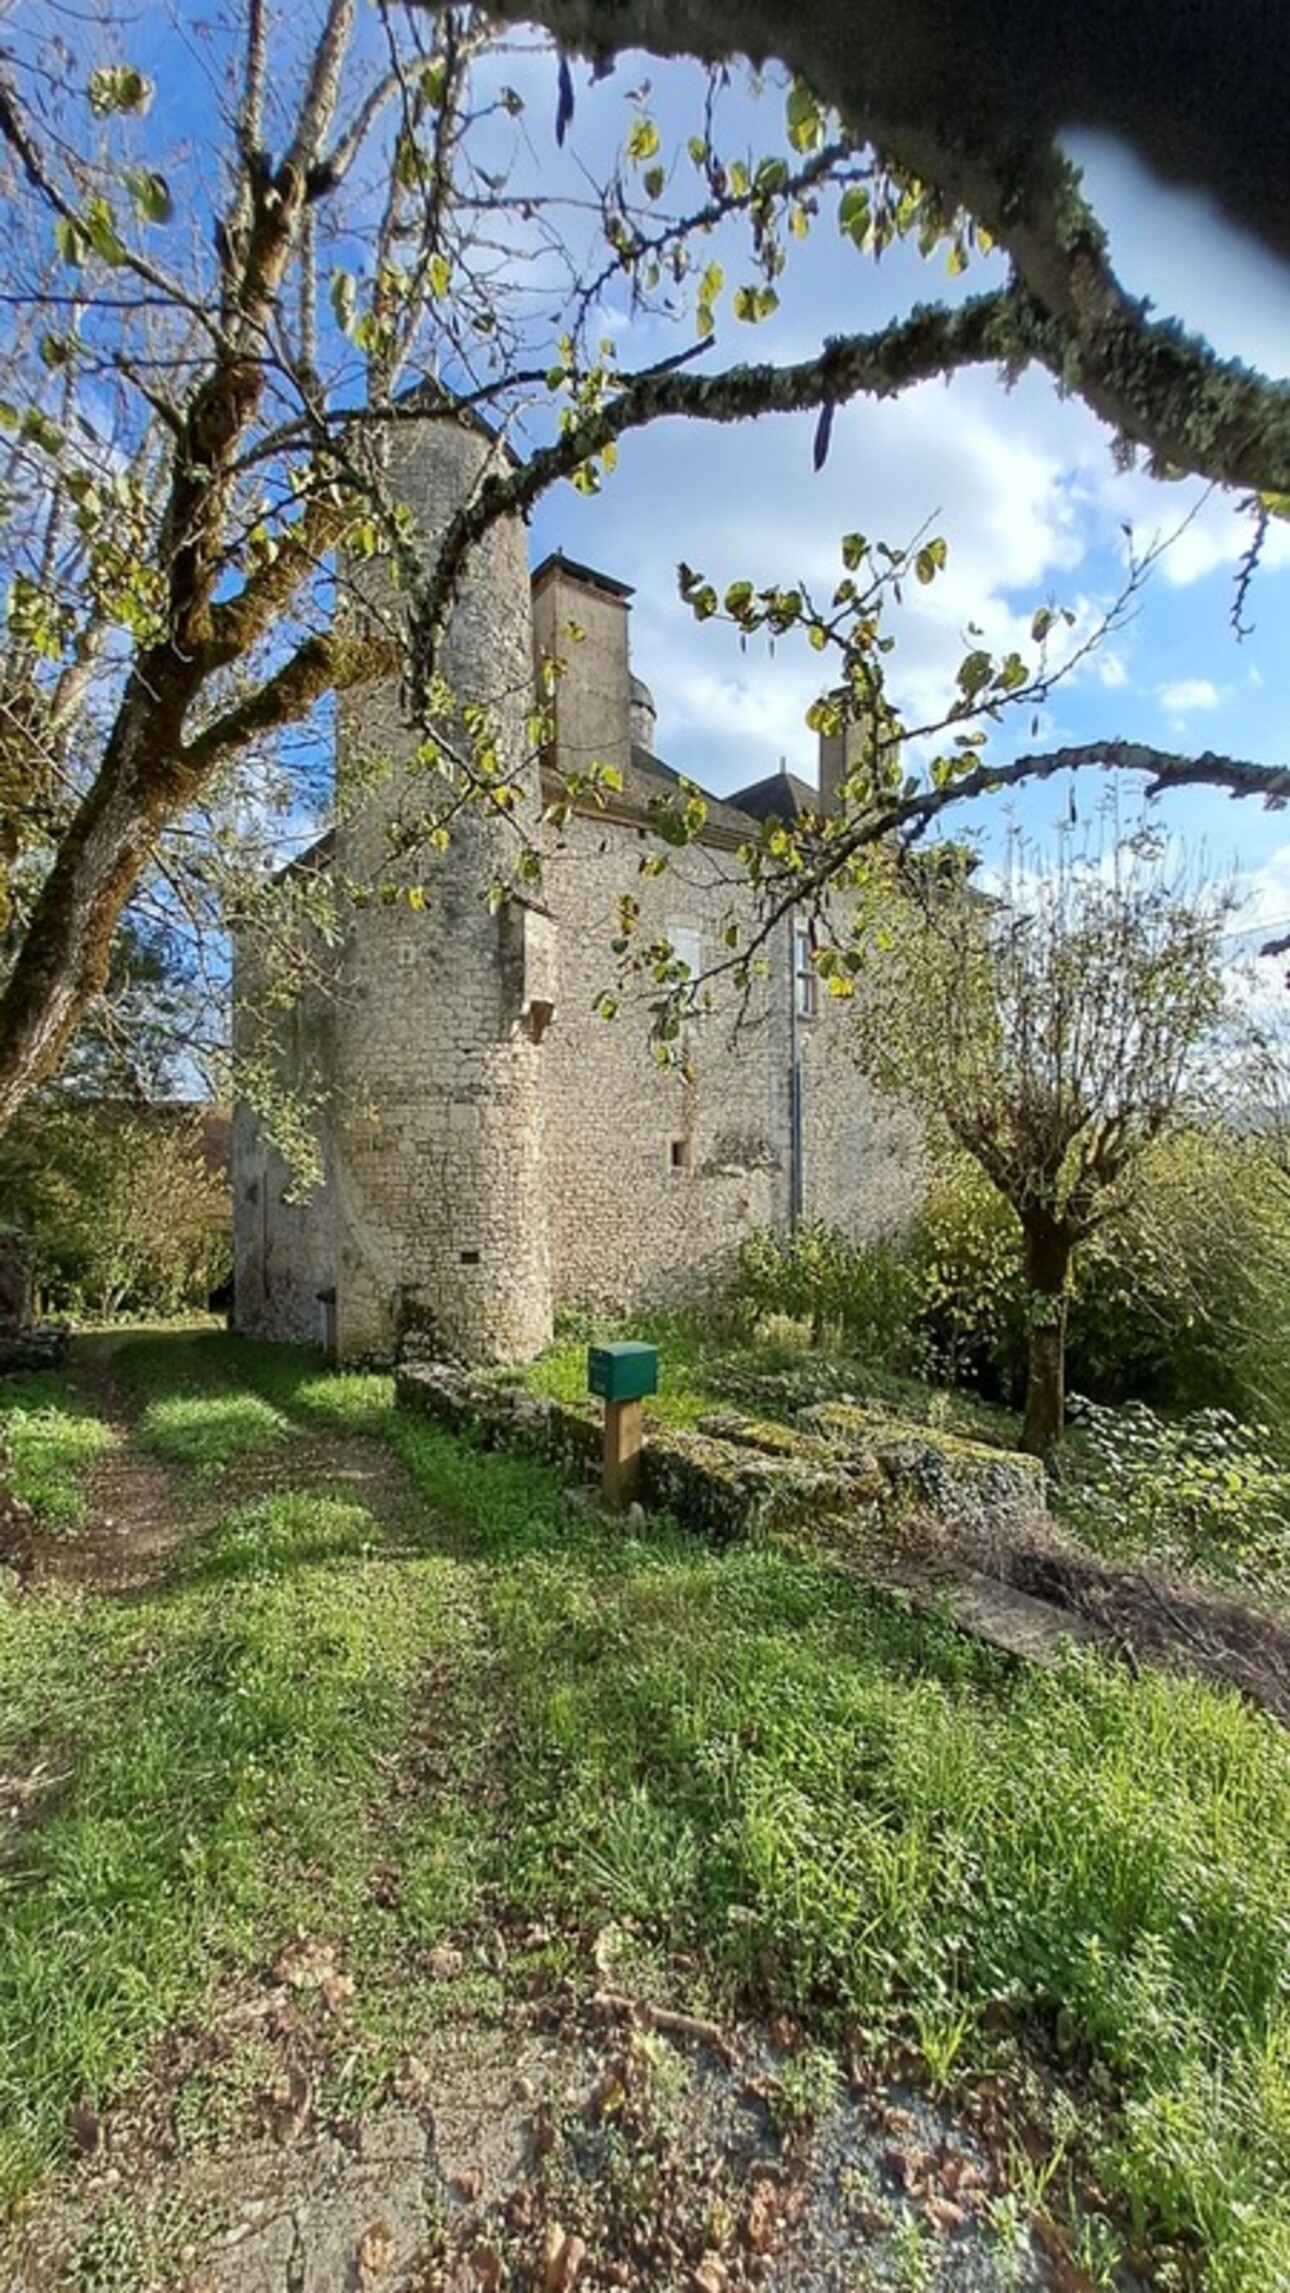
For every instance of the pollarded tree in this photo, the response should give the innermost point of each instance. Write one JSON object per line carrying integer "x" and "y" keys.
{"x": 1053, "y": 1035}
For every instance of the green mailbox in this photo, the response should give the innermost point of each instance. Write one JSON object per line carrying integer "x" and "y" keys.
{"x": 622, "y": 1372}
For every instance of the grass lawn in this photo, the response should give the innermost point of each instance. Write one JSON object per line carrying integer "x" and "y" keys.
{"x": 49, "y": 1434}
{"x": 490, "y": 1710}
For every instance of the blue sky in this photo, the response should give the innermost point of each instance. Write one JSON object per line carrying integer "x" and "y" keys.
{"x": 1023, "y": 486}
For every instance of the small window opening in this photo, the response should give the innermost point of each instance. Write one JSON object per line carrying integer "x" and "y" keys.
{"x": 680, "y": 1154}
{"x": 470, "y": 1257}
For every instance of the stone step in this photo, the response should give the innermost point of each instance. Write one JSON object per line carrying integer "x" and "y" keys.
{"x": 1016, "y": 1622}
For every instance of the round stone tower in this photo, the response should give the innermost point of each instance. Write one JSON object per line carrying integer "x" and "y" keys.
{"x": 437, "y": 1166}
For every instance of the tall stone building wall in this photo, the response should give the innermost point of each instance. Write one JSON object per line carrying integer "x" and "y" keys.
{"x": 433, "y": 1207}
{"x": 438, "y": 1169}
{"x": 283, "y": 1231}
{"x": 655, "y": 1182}
{"x": 489, "y": 1142}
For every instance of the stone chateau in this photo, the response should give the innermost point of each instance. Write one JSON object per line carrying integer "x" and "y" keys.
{"x": 492, "y": 1148}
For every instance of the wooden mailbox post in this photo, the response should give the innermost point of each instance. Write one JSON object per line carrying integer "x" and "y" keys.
{"x": 622, "y": 1375}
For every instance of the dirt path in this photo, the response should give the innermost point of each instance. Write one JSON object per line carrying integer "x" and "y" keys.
{"x": 135, "y": 1519}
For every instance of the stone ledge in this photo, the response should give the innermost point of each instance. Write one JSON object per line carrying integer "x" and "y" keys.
{"x": 738, "y": 1477}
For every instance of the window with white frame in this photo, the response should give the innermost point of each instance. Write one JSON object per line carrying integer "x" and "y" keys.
{"x": 687, "y": 948}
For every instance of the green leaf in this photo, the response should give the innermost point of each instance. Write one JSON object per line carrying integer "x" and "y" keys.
{"x": 853, "y": 214}
{"x": 101, "y": 231}
{"x": 70, "y": 241}
{"x": 150, "y": 194}
{"x": 119, "y": 87}
{"x": 752, "y": 304}
{"x": 439, "y": 275}
{"x": 42, "y": 431}
{"x": 644, "y": 140}
{"x": 804, "y": 118}
{"x": 343, "y": 299}
{"x": 930, "y": 561}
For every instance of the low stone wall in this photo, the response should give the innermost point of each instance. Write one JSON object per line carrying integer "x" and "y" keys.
{"x": 733, "y": 1476}
{"x": 968, "y": 1485}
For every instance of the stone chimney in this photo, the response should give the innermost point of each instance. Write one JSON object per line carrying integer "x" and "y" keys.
{"x": 580, "y": 620}
{"x": 841, "y": 752}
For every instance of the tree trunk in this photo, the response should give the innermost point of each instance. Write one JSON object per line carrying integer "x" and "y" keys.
{"x": 1047, "y": 1252}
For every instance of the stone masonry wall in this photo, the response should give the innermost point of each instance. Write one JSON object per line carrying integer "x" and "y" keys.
{"x": 439, "y": 1176}
{"x": 654, "y": 1182}
{"x": 283, "y": 1246}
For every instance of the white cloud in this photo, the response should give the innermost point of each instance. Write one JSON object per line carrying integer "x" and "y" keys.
{"x": 1186, "y": 696}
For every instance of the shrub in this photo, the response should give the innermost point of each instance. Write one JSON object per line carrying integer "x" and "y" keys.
{"x": 1181, "y": 1300}
{"x": 1200, "y": 1491}
{"x": 864, "y": 1292}
{"x": 1184, "y": 1299}
{"x": 966, "y": 1256}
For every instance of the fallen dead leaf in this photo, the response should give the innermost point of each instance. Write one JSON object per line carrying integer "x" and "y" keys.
{"x": 943, "y": 2213}
{"x": 761, "y": 2222}
{"x": 468, "y": 2184}
{"x": 486, "y": 2263}
{"x": 444, "y": 1964}
{"x": 305, "y": 1963}
{"x": 411, "y": 2079}
{"x": 375, "y": 2255}
{"x": 712, "y": 2275}
{"x": 562, "y": 2259}
{"x": 288, "y": 2104}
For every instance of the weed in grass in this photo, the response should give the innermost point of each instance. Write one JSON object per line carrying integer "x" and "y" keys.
{"x": 129, "y": 2247}
{"x": 643, "y": 1860}
{"x": 50, "y": 1435}
{"x": 942, "y": 2027}
{"x": 804, "y": 2091}
{"x": 913, "y": 2256}
{"x": 1032, "y": 2177}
